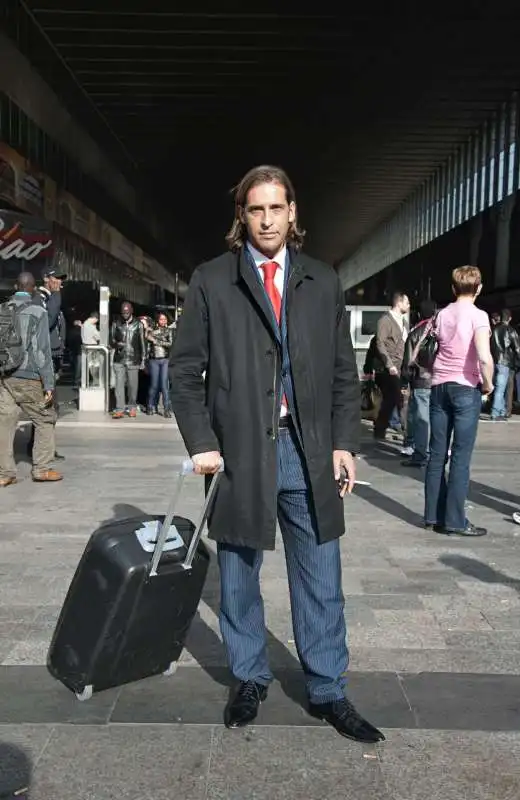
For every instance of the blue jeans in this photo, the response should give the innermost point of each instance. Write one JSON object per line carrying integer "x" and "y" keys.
{"x": 499, "y": 407}
{"x": 158, "y": 368}
{"x": 420, "y": 402}
{"x": 454, "y": 409}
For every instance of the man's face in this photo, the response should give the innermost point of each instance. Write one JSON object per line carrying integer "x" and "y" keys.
{"x": 53, "y": 284}
{"x": 267, "y": 216}
{"x": 126, "y": 311}
{"x": 404, "y": 305}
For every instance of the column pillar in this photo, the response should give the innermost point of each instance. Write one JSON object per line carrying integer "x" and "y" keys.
{"x": 474, "y": 241}
{"x": 504, "y": 214}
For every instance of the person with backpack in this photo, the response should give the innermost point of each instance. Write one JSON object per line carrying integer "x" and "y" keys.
{"x": 417, "y": 379}
{"x": 48, "y": 296}
{"x": 27, "y": 382}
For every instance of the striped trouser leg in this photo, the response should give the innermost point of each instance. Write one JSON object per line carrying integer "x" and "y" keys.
{"x": 314, "y": 573}
{"x": 242, "y": 613}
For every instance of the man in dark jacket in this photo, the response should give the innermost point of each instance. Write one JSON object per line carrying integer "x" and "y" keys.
{"x": 418, "y": 381}
{"x": 281, "y": 404}
{"x": 127, "y": 339}
{"x": 505, "y": 349}
{"x": 48, "y": 296}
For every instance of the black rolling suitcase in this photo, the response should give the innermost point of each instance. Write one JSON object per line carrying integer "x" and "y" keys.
{"x": 132, "y": 600}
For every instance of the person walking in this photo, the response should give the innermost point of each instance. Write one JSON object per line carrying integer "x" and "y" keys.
{"x": 417, "y": 380}
{"x": 28, "y": 387}
{"x": 462, "y": 374}
{"x": 280, "y": 404}
{"x": 392, "y": 332}
{"x": 505, "y": 349}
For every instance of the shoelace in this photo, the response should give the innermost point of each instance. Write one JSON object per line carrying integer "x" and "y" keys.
{"x": 249, "y": 691}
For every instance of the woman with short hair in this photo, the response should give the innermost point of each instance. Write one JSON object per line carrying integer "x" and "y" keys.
{"x": 462, "y": 373}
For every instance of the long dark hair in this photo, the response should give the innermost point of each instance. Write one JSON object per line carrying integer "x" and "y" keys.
{"x": 237, "y": 235}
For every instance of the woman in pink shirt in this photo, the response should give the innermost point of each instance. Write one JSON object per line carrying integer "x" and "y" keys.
{"x": 462, "y": 373}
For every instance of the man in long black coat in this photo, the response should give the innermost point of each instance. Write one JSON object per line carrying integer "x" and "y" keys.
{"x": 280, "y": 403}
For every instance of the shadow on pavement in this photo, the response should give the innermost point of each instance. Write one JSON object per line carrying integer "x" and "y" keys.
{"x": 473, "y": 568}
{"x": 386, "y": 459}
{"x": 15, "y": 772}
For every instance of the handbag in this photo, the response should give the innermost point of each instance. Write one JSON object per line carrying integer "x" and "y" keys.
{"x": 370, "y": 396}
{"x": 426, "y": 349}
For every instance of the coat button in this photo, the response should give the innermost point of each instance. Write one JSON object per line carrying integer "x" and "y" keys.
{"x": 270, "y": 392}
{"x": 269, "y": 353}
{"x": 270, "y": 432}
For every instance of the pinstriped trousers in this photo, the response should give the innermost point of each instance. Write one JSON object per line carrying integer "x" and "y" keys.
{"x": 317, "y": 603}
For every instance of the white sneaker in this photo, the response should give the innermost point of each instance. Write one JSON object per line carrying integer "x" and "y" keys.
{"x": 516, "y": 517}
{"x": 407, "y": 451}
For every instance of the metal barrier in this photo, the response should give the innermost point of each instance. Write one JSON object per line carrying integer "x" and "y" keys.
{"x": 95, "y": 378}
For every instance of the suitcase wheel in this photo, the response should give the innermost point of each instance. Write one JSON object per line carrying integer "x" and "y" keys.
{"x": 86, "y": 694}
{"x": 172, "y": 669}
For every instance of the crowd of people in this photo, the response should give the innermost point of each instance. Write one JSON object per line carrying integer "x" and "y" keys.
{"x": 439, "y": 376}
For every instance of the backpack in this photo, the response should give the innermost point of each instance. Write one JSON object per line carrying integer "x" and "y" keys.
{"x": 425, "y": 351}
{"x": 12, "y": 347}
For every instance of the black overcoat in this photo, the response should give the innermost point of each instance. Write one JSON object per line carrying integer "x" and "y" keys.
{"x": 226, "y": 331}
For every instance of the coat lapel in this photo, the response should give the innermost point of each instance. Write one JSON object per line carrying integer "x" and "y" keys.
{"x": 298, "y": 274}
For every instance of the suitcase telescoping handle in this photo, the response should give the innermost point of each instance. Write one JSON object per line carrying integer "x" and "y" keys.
{"x": 187, "y": 468}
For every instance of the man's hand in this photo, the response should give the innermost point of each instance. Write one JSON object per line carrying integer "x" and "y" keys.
{"x": 48, "y": 398}
{"x": 344, "y": 461}
{"x": 207, "y": 463}
{"x": 393, "y": 371}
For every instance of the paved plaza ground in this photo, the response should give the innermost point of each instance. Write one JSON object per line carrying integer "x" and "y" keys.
{"x": 434, "y": 632}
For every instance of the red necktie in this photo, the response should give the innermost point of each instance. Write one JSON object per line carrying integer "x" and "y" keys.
{"x": 269, "y": 268}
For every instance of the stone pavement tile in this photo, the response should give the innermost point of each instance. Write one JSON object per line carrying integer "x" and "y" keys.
{"x": 449, "y": 766}
{"x": 452, "y": 659}
{"x": 406, "y": 602}
{"x": 464, "y": 702}
{"x": 34, "y": 592}
{"x": 123, "y": 762}
{"x": 197, "y": 696}
{"x": 453, "y": 613}
{"x": 394, "y": 629}
{"x": 29, "y": 652}
{"x": 29, "y": 695}
{"x": 498, "y": 640}
{"x": 503, "y": 620}
{"x": 291, "y": 764}
{"x": 406, "y": 586}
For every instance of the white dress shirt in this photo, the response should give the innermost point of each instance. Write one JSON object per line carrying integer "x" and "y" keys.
{"x": 399, "y": 318}
{"x": 279, "y": 279}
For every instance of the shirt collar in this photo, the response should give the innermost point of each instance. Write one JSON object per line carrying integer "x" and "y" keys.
{"x": 260, "y": 259}
{"x": 398, "y": 317}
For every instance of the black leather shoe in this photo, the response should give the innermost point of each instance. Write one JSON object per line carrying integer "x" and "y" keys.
{"x": 58, "y": 457}
{"x": 469, "y": 530}
{"x": 343, "y": 716}
{"x": 243, "y": 706}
